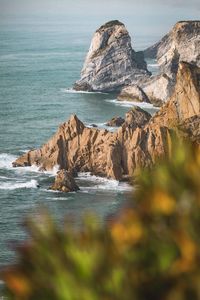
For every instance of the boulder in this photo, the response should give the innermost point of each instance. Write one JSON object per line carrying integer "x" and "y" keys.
{"x": 111, "y": 63}
{"x": 137, "y": 117}
{"x": 133, "y": 93}
{"x": 64, "y": 182}
{"x": 115, "y": 122}
{"x": 155, "y": 90}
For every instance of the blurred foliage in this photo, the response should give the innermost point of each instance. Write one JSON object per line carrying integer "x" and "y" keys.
{"x": 151, "y": 251}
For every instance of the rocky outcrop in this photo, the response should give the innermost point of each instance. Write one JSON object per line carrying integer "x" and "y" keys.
{"x": 137, "y": 143}
{"x": 182, "y": 43}
{"x": 111, "y": 63}
{"x": 64, "y": 182}
{"x": 155, "y": 90}
{"x": 185, "y": 101}
{"x": 115, "y": 122}
{"x": 103, "y": 153}
{"x": 137, "y": 117}
{"x": 76, "y": 147}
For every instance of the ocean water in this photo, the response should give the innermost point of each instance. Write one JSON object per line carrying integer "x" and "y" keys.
{"x": 39, "y": 62}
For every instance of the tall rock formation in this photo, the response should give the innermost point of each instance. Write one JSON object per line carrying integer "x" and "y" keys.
{"x": 111, "y": 63}
{"x": 182, "y": 43}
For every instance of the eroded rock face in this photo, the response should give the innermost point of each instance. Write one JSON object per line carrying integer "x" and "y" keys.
{"x": 137, "y": 117}
{"x": 182, "y": 43}
{"x": 103, "y": 153}
{"x": 190, "y": 128}
{"x": 64, "y": 182}
{"x": 111, "y": 63}
{"x": 76, "y": 147}
{"x": 133, "y": 93}
{"x": 185, "y": 101}
{"x": 115, "y": 122}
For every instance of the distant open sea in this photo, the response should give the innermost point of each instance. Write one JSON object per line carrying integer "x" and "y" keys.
{"x": 40, "y": 59}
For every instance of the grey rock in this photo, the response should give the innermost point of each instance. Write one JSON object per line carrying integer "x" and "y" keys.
{"x": 111, "y": 63}
{"x": 182, "y": 43}
{"x": 132, "y": 93}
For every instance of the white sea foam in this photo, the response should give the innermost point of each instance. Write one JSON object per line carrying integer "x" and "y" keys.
{"x": 101, "y": 183}
{"x": 33, "y": 184}
{"x": 72, "y": 91}
{"x": 144, "y": 105}
{"x": 6, "y": 160}
{"x": 153, "y": 65}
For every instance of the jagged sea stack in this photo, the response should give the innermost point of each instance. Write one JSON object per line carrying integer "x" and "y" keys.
{"x": 111, "y": 63}
{"x": 182, "y": 43}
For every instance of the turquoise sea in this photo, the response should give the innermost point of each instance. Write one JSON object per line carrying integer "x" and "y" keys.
{"x": 40, "y": 59}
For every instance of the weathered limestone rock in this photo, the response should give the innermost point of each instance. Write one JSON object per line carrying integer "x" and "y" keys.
{"x": 137, "y": 117}
{"x": 185, "y": 101}
{"x": 111, "y": 63}
{"x": 182, "y": 43}
{"x": 155, "y": 90}
{"x": 115, "y": 122}
{"x": 133, "y": 93}
{"x": 64, "y": 182}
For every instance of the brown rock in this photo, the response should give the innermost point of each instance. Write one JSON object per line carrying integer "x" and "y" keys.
{"x": 115, "y": 122}
{"x": 137, "y": 117}
{"x": 64, "y": 182}
{"x": 185, "y": 101}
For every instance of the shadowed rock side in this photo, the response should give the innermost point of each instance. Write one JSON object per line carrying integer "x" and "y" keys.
{"x": 111, "y": 62}
{"x": 137, "y": 143}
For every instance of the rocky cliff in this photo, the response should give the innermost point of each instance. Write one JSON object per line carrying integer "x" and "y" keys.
{"x": 77, "y": 148}
{"x": 137, "y": 143}
{"x": 182, "y": 43}
{"x": 111, "y": 62}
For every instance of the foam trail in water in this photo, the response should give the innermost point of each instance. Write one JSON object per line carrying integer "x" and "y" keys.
{"x": 6, "y": 160}
{"x": 72, "y": 91}
{"x": 103, "y": 183}
{"x": 132, "y": 103}
{"x": 33, "y": 184}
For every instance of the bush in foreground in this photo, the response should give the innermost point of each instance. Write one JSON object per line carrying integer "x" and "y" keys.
{"x": 152, "y": 251}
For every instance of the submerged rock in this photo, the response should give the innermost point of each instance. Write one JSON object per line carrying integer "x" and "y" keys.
{"x": 111, "y": 63}
{"x": 64, "y": 182}
{"x": 115, "y": 122}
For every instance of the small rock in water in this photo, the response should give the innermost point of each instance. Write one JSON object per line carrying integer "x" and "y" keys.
{"x": 64, "y": 182}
